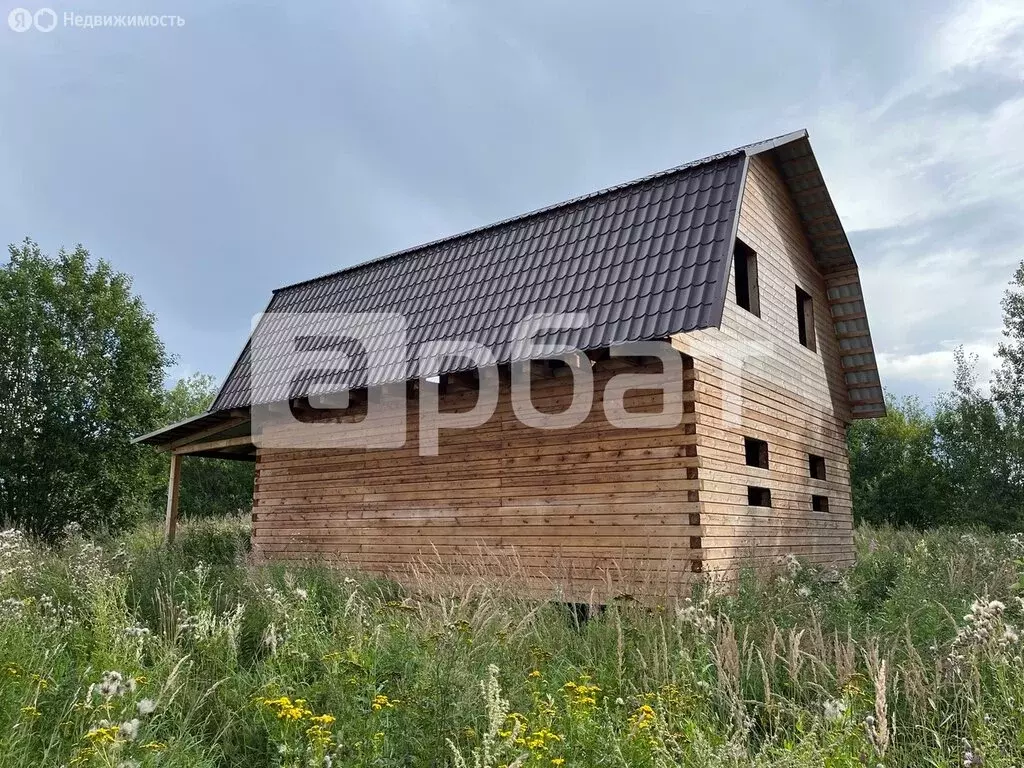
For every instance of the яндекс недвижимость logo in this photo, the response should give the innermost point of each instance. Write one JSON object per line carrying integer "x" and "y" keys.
{"x": 22, "y": 19}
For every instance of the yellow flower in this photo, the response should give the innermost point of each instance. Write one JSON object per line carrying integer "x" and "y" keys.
{"x": 107, "y": 735}
{"x": 285, "y": 709}
{"x": 643, "y": 718}
{"x": 582, "y": 696}
{"x": 155, "y": 746}
{"x": 535, "y": 673}
{"x": 381, "y": 701}
{"x": 558, "y": 761}
{"x": 30, "y": 711}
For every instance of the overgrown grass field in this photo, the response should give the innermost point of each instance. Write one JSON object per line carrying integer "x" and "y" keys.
{"x": 124, "y": 653}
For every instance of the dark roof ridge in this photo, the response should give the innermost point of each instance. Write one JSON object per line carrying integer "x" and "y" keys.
{"x": 750, "y": 149}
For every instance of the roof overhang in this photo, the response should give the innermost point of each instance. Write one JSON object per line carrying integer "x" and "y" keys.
{"x": 226, "y": 432}
{"x": 795, "y": 160}
{"x": 223, "y": 434}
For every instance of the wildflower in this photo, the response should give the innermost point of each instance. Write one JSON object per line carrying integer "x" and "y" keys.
{"x": 286, "y": 709}
{"x": 582, "y": 696}
{"x": 111, "y": 685}
{"x": 834, "y": 710}
{"x": 698, "y": 616}
{"x": 381, "y": 701}
{"x": 103, "y": 734}
{"x": 272, "y": 639}
{"x": 301, "y": 593}
{"x": 643, "y": 718}
{"x": 129, "y": 729}
{"x": 146, "y": 706}
{"x": 804, "y": 591}
{"x": 791, "y": 564}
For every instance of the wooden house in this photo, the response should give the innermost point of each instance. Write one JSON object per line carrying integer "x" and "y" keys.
{"x": 738, "y": 261}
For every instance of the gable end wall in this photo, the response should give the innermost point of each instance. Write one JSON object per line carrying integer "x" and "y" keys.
{"x": 753, "y": 378}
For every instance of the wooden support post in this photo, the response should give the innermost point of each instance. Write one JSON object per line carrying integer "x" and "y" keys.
{"x": 173, "y": 489}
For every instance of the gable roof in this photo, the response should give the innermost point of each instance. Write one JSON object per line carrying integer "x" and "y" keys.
{"x": 645, "y": 259}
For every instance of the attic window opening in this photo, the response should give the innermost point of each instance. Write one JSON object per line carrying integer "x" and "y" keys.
{"x": 757, "y": 452}
{"x": 819, "y": 503}
{"x": 817, "y": 466}
{"x": 758, "y": 497}
{"x": 805, "y": 318}
{"x": 744, "y": 262}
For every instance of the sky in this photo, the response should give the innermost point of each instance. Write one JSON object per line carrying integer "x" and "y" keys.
{"x": 259, "y": 144}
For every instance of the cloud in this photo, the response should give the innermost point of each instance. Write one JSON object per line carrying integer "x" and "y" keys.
{"x": 983, "y": 35}
{"x": 934, "y": 367}
{"x": 928, "y": 177}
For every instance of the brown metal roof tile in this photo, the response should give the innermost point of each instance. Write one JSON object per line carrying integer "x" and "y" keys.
{"x": 607, "y": 255}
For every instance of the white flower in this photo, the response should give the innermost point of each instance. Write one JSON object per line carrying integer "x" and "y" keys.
{"x": 804, "y": 591}
{"x": 129, "y": 729}
{"x": 146, "y": 706}
{"x": 301, "y": 593}
{"x": 112, "y": 684}
{"x": 834, "y": 710}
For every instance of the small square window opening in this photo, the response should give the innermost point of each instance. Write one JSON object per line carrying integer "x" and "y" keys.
{"x": 745, "y": 271}
{"x": 757, "y": 452}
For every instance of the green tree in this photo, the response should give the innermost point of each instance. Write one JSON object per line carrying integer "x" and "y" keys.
{"x": 81, "y": 368}
{"x": 1008, "y": 383}
{"x": 893, "y": 470}
{"x": 209, "y": 487}
{"x": 974, "y": 449}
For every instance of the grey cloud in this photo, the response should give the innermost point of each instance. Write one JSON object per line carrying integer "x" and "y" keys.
{"x": 263, "y": 144}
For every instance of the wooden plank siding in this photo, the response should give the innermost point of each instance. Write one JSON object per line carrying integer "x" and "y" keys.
{"x": 575, "y": 506}
{"x": 651, "y": 507}
{"x": 754, "y": 379}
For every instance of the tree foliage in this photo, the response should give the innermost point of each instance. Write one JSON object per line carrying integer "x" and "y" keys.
{"x": 961, "y": 463}
{"x": 209, "y": 487}
{"x": 81, "y": 370}
{"x": 895, "y": 474}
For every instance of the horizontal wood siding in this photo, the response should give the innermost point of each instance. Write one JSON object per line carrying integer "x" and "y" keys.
{"x": 754, "y": 379}
{"x": 652, "y": 506}
{"x": 572, "y": 506}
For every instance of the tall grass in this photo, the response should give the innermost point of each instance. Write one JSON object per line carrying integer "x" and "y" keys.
{"x": 124, "y": 653}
